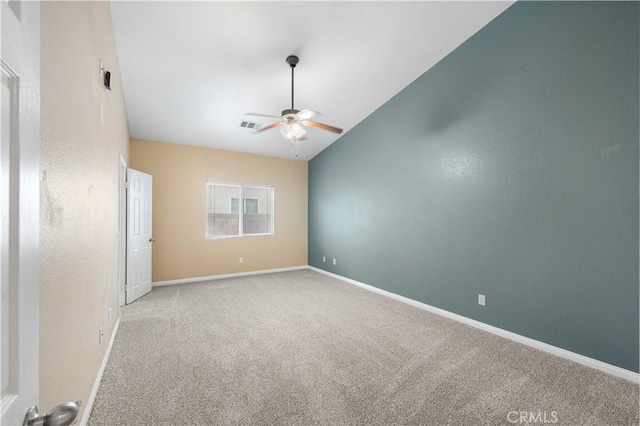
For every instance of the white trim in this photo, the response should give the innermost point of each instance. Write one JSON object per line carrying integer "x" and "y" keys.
{"x": 122, "y": 231}
{"x": 545, "y": 347}
{"x": 223, "y": 276}
{"x": 96, "y": 385}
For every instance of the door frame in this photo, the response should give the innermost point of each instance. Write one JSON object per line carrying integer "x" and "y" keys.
{"x": 122, "y": 230}
{"x": 21, "y": 68}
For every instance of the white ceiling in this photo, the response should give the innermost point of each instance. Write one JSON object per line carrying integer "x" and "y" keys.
{"x": 190, "y": 70}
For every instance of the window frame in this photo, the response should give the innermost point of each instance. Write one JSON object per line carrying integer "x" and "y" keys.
{"x": 211, "y": 209}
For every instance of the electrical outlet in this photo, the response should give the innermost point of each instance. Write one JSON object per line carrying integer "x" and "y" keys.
{"x": 109, "y": 314}
{"x": 242, "y": 260}
{"x": 324, "y": 258}
{"x": 482, "y": 301}
{"x": 100, "y": 335}
{"x": 334, "y": 262}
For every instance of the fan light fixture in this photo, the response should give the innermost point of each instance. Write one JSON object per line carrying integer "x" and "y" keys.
{"x": 292, "y": 130}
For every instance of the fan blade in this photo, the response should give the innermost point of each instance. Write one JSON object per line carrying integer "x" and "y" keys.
{"x": 261, "y": 115}
{"x": 306, "y": 114}
{"x": 270, "y": 126}
{"x": 321, "y": 126}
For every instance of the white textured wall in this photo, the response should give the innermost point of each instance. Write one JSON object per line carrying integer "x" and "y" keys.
{"x": 84, "y": 131}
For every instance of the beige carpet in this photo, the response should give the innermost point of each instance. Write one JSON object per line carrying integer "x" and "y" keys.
{"x": 302, "y": 348}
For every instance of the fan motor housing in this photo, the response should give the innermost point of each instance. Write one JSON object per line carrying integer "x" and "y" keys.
{"x": 289, "y": 111}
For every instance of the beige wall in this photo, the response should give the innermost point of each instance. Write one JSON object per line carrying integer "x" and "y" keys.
{"x": 84, "y": 131}
{"x": 180, "y": 174}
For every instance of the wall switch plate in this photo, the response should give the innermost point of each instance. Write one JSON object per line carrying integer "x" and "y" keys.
{"x": 482, "y": 301}
{"x": 324, "y": 258}
{"x": 334, "y": 262}
{"x": 100, "y": 335}
{"x": 242, "y": 260}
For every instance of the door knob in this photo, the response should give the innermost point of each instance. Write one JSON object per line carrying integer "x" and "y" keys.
{"x": 61, "y": 415}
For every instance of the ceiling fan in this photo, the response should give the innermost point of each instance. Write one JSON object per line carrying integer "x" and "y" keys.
{"x": 293, "y": 121}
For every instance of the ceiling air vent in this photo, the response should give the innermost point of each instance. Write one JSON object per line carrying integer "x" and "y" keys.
{"x": 250, "y": 125}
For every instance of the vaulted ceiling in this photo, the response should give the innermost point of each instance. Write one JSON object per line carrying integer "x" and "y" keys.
{"x": 190, "y": 70}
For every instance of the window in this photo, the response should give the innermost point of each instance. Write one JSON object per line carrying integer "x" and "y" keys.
{"x": 251, "y": 206}
{"x": 226, "y": 219}
{"x": 234, "y": 207}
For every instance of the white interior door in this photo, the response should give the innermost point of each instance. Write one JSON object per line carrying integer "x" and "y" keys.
{"x": 19, "y": 215}
{"x": 139, "y": 236}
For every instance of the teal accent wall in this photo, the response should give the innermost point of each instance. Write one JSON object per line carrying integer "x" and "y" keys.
{"x": 509, "y": 169}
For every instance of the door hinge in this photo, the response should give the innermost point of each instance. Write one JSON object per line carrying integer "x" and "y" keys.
{"x": 126, "y": 287}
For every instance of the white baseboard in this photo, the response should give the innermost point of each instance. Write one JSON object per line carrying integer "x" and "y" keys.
{"x": 96, "y": 385}
{"x": 223, "y": 276}
{"x": 563, "y": 353}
